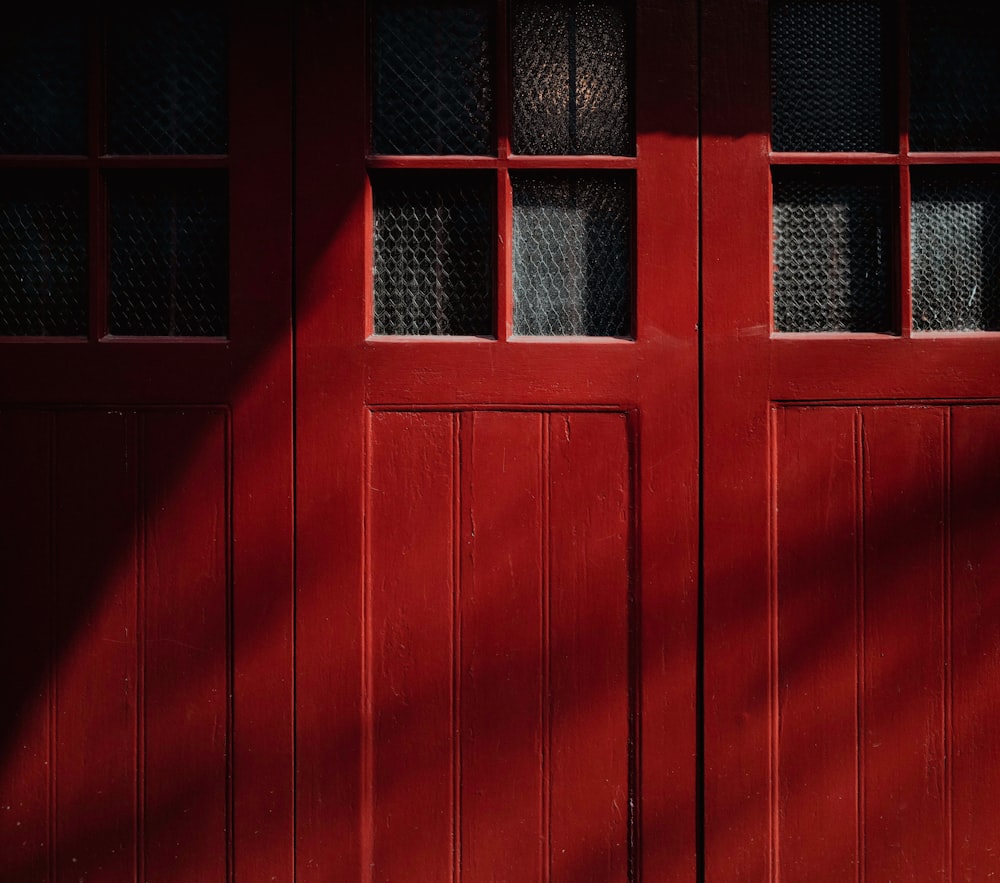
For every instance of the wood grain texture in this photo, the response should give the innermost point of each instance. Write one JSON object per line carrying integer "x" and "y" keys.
{"x": 818, "y": 641}
{"x": 411, "y": 645}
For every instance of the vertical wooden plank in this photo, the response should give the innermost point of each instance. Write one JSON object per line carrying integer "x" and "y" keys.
{"x": 94, "y": 572}
{"x": 25, "y": 648}
{"x": 904, "y": 466}
{"x": 975, "y": 639}
{"x": 502, "y": 622}
{"x": 184, "y": 645}
{"x": 590, "y": 565}
{"x": 411, "y": 644}
{"x": 818, "y": 499}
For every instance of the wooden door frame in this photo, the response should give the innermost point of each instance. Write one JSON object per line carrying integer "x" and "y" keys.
{"x": 336, "y": 367}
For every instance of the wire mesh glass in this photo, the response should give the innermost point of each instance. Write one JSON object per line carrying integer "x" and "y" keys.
{"x": 43, "y": 254}
{"x": 829, "y": 89}
{"x": 571, "y": 77}
{"x": 434, "y": 253}
{"x": 955, "y": 250}
{"x": 572, "y": 253}
{"x": 169, "y": 254}
{"x": 43, "y": 82}
{"x": 955, "y": 75}
{"x": 831, "y": 251}
{"x": 432, "y": 79}
{"x": 167, "y": 79}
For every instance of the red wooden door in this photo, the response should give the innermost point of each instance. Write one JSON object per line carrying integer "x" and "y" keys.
{"x": 145, "y": 445}
{"x": 850, "y": 441}
{"x": 497, "y": 441}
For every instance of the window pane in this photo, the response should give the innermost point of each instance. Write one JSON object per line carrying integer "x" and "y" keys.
{"x": 432, "y": 78}
{"x": 831, "y": 251}
{"x": 955, "y": 250}
{"x": 433, "y": 253}
{"x": 167, "y": 80}
{"x": 572, "y": 253}
{"x": 828, "y": 82}
{"x": 572, "y": 81}
{"x": 955, "y": 75}
{"x": 169, "y": 254}
{"x": 43, "y": 254}
{"x": 43, "y": 82}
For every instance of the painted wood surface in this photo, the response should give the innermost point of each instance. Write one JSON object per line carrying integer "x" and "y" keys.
{"x": 120, "y": 652}
{"x": 499, "y": 646}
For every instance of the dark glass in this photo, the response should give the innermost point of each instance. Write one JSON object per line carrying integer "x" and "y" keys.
{"x": 954, "y": 75}
{"x": 43, "y": 81}
{"x": 432, "y": 79}
{"x": 169, "y": 254}
{"x": 572, "y": 78}
{"x": 829, "y": 88}
{"x": 955, "y": 249}
{"x": 572, "y": 253}
{"x": 167, "y": 80}
{"x": 831, "y": 250}
{"x": 434, "y": 253}
{"x": 43, "y": 254}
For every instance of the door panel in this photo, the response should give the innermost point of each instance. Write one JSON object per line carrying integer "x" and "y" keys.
{"x": 501, "y": 642}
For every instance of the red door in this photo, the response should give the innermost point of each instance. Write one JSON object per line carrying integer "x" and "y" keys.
{"x": 145, "y": 428}
{"x": 497, "y": 441}
{"x": 850, "y": 234}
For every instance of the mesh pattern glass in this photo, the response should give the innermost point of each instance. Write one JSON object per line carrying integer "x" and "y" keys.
{"x": 572, "y": 253}
{"x": 831, "y": 251}
{"x": 43, "y": 255}
{"x": 955, "y": 75}
{"x": 828, "y": 80}
{"x": 43, "y": 82}
{"x": 433, "y": 253}
{"x": 572, "y": 79}
{"x": 167, "y": 80}
{"x": 432, "y": 78}
{"x": 955, "y": 250}
{"x": 169, "y": 254}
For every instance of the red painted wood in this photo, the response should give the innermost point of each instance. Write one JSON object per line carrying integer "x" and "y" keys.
{"x": 341, "y": 373}
{"x": 819, "y": 617}
{"x": 904, "y": 717}
{"x": 411, "y": 637}
{"x": 185, "y": 651}
{"x": 503, "y": 683}
{"x": 974, "y": 657}
{"x": 588, "y": 646}
{"x": 26, "y": 695}
{"x": 96, "y": 750}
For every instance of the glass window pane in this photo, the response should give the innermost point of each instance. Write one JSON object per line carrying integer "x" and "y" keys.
{"x": 432, "y": 78}
{"x": 955, "y": 75}
{"x": 43, "y": 82}
{"x": 43, "y": 254}
{"x": 169, "y": 253}
{"x": 955, "y": 250}
{"x": 434, "y": 253}
{"x": 831, "y": 250}
{"x": 167, "y": 80}
{"x": 828, "y": 80}
{"x": 572, "y": 78}
{"x": 572, "y": 253}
